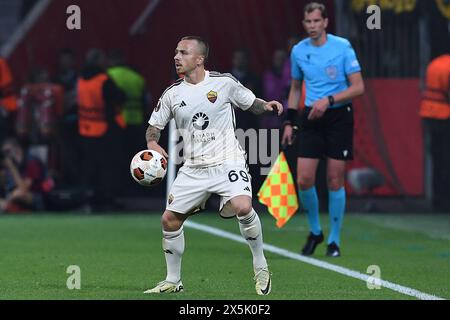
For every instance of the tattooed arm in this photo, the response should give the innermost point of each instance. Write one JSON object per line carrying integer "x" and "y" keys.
{"x": 260, "y": 106}
{"x": 152, "y": 136}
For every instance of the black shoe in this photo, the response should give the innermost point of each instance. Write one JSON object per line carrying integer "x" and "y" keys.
{"x": 311, "y": 243}
{"x": 333, "y": 250}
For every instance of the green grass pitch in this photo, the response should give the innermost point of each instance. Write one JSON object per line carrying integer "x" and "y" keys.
{"x": 120, "y": 256}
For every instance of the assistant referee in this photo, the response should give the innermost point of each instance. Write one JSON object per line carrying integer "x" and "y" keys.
{"x": 332, "y": 76}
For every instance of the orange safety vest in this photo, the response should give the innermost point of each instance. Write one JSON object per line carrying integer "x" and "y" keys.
{"x": 7, "y": 97}
{"x": 91, "y": 106}
{"x": 435, "y": 101}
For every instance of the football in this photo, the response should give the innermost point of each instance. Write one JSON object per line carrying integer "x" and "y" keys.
{"x": 148, "y": 168}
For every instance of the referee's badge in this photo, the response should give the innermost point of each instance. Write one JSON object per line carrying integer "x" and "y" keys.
{"x": 212, "y": 96}
{"x": 332, "y": 72}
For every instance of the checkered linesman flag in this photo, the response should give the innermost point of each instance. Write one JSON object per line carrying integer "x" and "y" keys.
{"x": 278, "y": 192}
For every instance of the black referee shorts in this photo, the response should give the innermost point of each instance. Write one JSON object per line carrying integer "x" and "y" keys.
{"x": 328, "y": 137}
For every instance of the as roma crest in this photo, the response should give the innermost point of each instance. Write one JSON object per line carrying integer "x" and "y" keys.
{"x": 212, "y": 96}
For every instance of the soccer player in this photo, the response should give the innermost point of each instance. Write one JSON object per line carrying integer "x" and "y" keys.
{"x": 332, "y": 75}
{"x": 202, "y": 105}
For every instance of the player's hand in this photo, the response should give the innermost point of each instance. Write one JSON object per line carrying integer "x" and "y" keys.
{"x": 318, "y": 109}
{"x": 152, "y": 145}
{"x": 274, "y": 106}
{"x": 287, "y": 135}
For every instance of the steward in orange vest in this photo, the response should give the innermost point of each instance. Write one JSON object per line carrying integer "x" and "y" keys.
{"x": 100, "y": 125}
{"x": 8, "y": 101}
{"x": 99, "y": 103}
{"x": 436, "y": 100}
{"x": 435, "y": 111}
{"x": 7, "y": 97}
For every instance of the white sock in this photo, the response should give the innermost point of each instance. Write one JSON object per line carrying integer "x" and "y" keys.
{"x": 173, "y": 246}
{"x": 251, "y": 230}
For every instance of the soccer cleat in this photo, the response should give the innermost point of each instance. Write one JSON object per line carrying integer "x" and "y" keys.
{"x": 166, "y": 287}
{"x": 263, "y": 281}
{"x": 311, "y": 243}
{"x": 333, "y": 250}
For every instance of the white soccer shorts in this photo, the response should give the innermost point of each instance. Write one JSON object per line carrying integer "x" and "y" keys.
{"x": 193, "y": 186}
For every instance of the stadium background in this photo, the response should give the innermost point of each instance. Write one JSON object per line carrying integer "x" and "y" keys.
{"x": 120, "y": 255}
{"x": 393, "y": 61}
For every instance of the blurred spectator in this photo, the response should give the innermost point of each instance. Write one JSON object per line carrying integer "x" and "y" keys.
{"x": 291, "y": 42}
{"x": 67, "y": 73}
{"x": 100, "y": 122}
{"x": 40, "y": 107}
{"x": 134, "y": 112}
{"x": 435, "y": 110}
{"x": 241, "y": 71}
{"x": 247, "y": 120}
{"x": 26, "y": 182}
{"x": 132, "y": 84}
{"x": 8, "y": 100}
{"x": 275, "y": 88}
{"x": 67, "y": 76}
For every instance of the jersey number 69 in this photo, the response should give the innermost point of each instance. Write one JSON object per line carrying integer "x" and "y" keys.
{"x": 233, "y": 176}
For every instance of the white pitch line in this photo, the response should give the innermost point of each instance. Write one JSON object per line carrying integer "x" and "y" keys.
{"x": 318, "y": 263}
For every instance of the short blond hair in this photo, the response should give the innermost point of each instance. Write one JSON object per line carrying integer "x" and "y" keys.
{"x": 310, "y": 7}
{"x": 204, "y": 46}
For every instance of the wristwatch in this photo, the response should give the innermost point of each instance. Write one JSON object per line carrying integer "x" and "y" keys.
{"x": 331, "y": 100}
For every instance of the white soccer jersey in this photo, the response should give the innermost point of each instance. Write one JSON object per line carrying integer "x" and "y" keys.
{"x": 204, "y": 116}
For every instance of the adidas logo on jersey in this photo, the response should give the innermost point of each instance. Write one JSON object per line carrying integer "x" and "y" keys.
{"x": 247, "y": 189}
{"x": 182, "y": 104}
